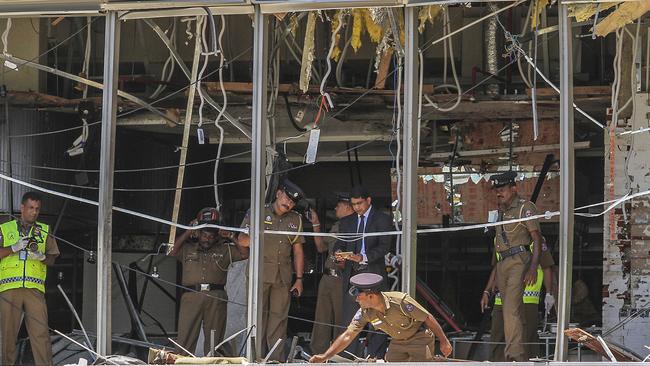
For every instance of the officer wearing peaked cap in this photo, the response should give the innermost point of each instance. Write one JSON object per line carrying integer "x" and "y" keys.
{"x": 277, "y": 252}
{"x": 516, "y": 266}
{"x": 206, "y": 255}
{"x": 411, "y": 327}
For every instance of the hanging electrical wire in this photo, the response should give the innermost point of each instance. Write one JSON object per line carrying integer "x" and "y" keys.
{"x": 224, "y": 105}
{"x": 449, "y": 45}
{"x": 169, "y": 66}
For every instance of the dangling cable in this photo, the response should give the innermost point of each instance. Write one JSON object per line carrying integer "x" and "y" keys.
{"x": 224, "y": 105}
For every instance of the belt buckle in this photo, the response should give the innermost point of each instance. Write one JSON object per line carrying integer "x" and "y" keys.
{"x": 205, "y": 287}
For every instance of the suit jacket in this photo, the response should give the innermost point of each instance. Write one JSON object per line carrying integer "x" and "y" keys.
{"x": 376, "y": 246}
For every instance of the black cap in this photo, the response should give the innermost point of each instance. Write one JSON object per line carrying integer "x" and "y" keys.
{"x": 365, "y": 282}
{"x": 292, "y": 190}
{"x": 503, "y": 179}
{"x": 343, "y": 197}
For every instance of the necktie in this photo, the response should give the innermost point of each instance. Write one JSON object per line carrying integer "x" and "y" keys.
{"x": 361, "y": 228}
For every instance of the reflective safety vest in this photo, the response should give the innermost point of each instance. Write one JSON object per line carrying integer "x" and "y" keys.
{"x": 16, "y": 269}
{"x": 531, "y": 292}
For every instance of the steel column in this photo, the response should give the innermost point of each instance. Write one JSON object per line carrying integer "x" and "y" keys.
{"x": 567, "y": 165}
{"x": 411, "y": 126}
{"x": 189, "y": 109}
{"x": 258, "y": 180}
{"x": 106, "y": 166}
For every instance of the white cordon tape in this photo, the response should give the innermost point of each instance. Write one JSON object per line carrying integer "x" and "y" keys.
{"x": 340, "y": 236}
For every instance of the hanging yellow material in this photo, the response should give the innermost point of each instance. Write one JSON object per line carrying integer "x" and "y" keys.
{"x": 293, "y": 25}
{"x": 375, "y": 31}
{"x": 627, "y": 13}
{"x": 428, "y": 14}
{"x": 537, "y": 12}
{"x": 357, "y": 27}
{"x": 583, "y": 12}
{"x": 308, "y": 52}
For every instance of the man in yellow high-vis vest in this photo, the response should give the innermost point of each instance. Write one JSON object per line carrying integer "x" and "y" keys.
{"x": 530, "y": 300}
{"x": 25, "y": 252}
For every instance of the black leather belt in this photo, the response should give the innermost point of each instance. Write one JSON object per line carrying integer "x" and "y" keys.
{"x": 511, "y": 251}
{"x": 207, "y": 287}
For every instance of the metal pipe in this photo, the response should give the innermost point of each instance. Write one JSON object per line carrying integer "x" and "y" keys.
{"x": 186, "y": 131}
{"x": 258, "y": 180}
{"x": 7, "y": 145}
{"x": 106, "y": 166}
{"x": 566, "y": 183}
{"x": 21, "y": 62}
{"x": 135, "y": 318}
{"x": 411, "y": 127}
{"x": 76, "y": 315}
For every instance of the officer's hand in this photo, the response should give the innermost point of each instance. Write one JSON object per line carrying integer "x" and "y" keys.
{"x": 313, "y": 217}
{"x": 318, "y": 359}
{"x": 485, "y": 301}
{"x": 297, "y": 288}
{"x": 445, "y": 347}
{"x": 194, "y": 233}
{"x": 531, "y": 276}
{"x": 20, "y": 245}
{"x": 36, "y": 256}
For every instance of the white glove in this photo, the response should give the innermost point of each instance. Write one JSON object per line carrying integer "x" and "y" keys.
{"x": 36, "y": 256}
{"x": 549, "y": 301}
{"x": 20, "y": 245}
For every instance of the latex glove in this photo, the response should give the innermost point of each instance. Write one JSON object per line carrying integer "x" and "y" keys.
{"x": 36, "y": 256}
{"x": 20, "y": 245}
{"x": 549, "y": 301}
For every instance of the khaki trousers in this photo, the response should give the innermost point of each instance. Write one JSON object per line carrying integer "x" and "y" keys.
{"x": 197, "y": 308}
{"x": 276, "y": 300}
{"x": 419, "y": 348}
{"x": 12, "y": 305}
{"x": 328, "y": 311}
{"x": 530, "y": 332}
{"x": 510, "y": 280}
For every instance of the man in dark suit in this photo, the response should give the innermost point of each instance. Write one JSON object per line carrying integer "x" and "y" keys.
{"x": 367, "y": 256}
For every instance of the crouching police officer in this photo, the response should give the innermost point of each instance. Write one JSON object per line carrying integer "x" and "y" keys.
{"x": 411, "y": 327}
{"x": 206, "y": 257}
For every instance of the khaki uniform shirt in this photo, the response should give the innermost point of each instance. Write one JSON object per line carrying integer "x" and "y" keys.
{"x": 517, "y": 233}
{"x": 403, "y": 317}
{"x": 51, "y": 247}
{"x": 207, "y": 265}
{"x": 278, "y": 248}
{"x": 330, "y": 241}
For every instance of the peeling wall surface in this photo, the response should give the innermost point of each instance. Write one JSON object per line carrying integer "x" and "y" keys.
{"x": 626, "y": 251}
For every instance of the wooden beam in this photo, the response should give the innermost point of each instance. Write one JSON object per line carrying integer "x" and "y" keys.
{"x": 505, "y": 150}
{"x": 213, "y": 87}
{"x": 577, "y": 91}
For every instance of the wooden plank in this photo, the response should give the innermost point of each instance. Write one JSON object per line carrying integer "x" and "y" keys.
{"x": 384, "y": 66}
{"x": 577, "y": 91}
{"x": 213, "y": 87}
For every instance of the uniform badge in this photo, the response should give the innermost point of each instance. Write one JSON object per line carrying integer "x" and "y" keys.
{"x": 357, "y": 316}
{"x": 293, "y": 226}
{"x": 268, "y": 218}
{"x": 409, "y": 307}
{"x": 529, "y": 213}
{"x": 544, "y": 246}
{"x": 376, "y": 322}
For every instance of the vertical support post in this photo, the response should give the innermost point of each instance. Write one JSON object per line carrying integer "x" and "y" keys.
{"x": 7, "y": 144}
{"x": 258, "y": 179}
{"x": 411, "y": 128}
{"x": 106, "y": 166}
{"x": 189, "y": 109}
{"x": 566, "y": 183}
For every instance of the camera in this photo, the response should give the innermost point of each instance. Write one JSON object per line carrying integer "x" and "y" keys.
{"x": 32, "y": 245}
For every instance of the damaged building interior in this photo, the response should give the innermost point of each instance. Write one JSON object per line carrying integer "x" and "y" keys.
{"x": 129, "y": 117}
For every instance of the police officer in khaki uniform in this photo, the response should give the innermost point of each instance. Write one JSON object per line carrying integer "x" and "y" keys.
{"x": 330, "y": 287}
{"x": 411, "y": 327}
{"x": 531, "y": 307}
{"x": 277, "y": 269}
{"x": 26, "y": 249}
{"x": 517, "y": 266}
{"x": 205, "y": 260}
